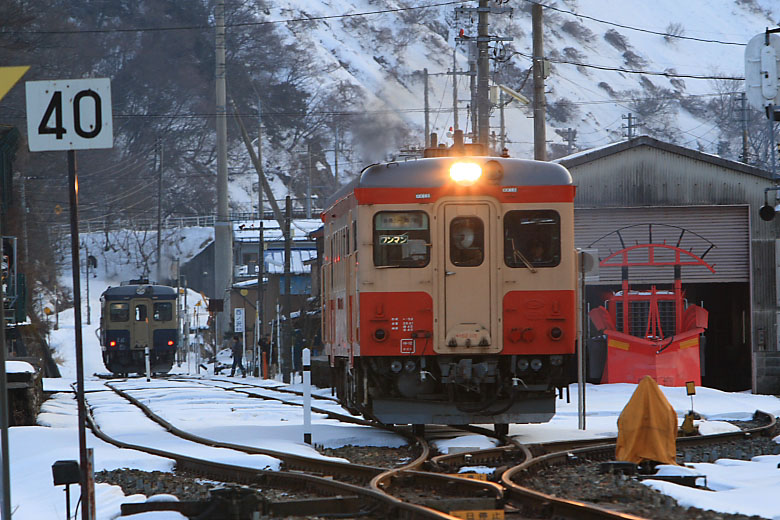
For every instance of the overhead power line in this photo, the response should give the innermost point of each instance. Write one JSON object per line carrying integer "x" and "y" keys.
{"x": 639, "y": 29}
{"x": 632, "y": 71}
{"x": 241, "y": 24}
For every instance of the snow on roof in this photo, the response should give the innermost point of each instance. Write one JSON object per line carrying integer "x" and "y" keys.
{"x": 18, "y": 367}
{"x": 247, "y": 230}
{"x": 274, "y": 260}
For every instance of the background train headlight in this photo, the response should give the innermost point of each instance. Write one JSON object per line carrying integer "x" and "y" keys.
{"x": 396, "y": 366}
{"x": 170, "y": 342}
{"x": 465, "y": 173}
{"x": 380, "y": 334}
{"x": 536, "y": 364}
{"x": 522, "y": 364}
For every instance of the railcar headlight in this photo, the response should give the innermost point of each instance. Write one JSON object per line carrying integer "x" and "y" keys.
{"x": 410, "y": 365}
{"x": 396, "y": 366}
{"x": 465, "y": 173}
{"x": 522, "y": 364}
{"x": 536, "y": 364}
{"x": 556, "y": 333}
{"x": 556, "y": 360}
{"x": 112, "y": 343}
{"x": 170, "y": 342}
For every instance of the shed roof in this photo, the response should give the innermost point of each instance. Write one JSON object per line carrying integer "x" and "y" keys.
{"x": 593, "y": 154}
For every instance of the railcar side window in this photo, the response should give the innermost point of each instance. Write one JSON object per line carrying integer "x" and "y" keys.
{"x": 401, "y": 239}
{"x": 163, "y": 311}
{"x": 467, "y": 241}
{"x": 532, "y": 237}
{"x": 140, "y": 312}
{"x": 119, "y": 312}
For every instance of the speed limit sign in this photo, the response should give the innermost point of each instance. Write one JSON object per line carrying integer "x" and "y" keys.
{"x": 69, "y": 114}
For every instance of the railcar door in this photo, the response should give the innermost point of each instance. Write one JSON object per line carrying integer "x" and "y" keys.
{"x": 467, "y": 275}
{"x": 142, "y": 335}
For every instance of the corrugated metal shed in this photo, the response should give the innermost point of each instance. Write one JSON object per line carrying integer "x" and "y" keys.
{"x": 646, "y": 179}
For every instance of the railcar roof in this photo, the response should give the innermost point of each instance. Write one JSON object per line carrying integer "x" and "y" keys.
{"x": 125, "y": 292}
{"x": 434, "y": 172}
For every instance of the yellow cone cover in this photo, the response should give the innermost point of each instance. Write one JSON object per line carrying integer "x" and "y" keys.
{"x": 647, "y": 426}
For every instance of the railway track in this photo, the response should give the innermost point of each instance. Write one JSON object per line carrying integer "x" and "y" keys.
{"x": 409, "y": 492}
{"x": 431, "y": 490}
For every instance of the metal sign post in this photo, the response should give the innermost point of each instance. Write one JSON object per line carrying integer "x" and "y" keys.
{"x": 238, "y": 320}
{"x": 72, "y": 115}
{"x": 8, "y": 78}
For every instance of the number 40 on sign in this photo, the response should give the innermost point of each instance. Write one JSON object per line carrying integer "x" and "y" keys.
{"x": 69, "y": 114}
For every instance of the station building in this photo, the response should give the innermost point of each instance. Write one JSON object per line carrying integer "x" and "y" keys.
{"x": 644, "y": 191}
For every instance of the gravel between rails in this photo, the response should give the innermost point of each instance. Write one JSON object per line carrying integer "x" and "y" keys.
{"x": 583, "y": 482}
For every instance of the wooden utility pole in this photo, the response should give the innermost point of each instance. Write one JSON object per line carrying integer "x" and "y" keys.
{"x": 540, "y": 132}
{"x": 287, "y": 345}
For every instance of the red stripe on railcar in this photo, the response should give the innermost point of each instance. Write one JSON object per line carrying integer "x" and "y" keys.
{"x": 530, "y": 320}
{"x": 508, "y": 194}
{"x": 402, "y": 316}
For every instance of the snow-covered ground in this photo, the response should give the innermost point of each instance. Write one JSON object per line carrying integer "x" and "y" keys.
{"x": 232, "y": 417}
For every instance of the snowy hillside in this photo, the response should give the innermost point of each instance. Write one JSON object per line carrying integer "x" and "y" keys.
{"x": 383, "y": 56}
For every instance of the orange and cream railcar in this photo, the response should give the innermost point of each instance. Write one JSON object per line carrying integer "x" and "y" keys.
{"x": 449, "y": 292}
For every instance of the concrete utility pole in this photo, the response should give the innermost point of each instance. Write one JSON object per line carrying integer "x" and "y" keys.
{"x": 540, "y": 131}
{"x": 454, "y": 91}
{"x": 473, "y": 89}
{"x": 159, "y": 209}
{"x": 259, "y": 159}
{"x": 308, "y": 180}
{"x": 483, "y": 74}
{"x": 336, "y": 149}
{"x": 223, "y": 243}
{"x": 630, "y": 126}
{"x": 571, "y": 136}
{"x": 502, "y": 121}
{"x": 427, "y": 110}
{"x": 479, "y": 66}
{"x": 743, "y": 101}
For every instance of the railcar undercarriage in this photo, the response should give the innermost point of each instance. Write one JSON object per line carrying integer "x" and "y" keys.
{"x": 452, "y": 389}
{"x": 132, "y": 361}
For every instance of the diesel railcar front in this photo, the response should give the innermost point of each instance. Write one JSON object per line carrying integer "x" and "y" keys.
{"x": 450, "y": 289}
{"x": 135, "y": 316}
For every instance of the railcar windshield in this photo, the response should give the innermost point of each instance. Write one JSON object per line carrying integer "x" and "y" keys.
{"x": 119, "y": 311}
{"x": 467, "y": 241}
{"x": 163, "y": 311}
{"x": 532, "y": 237}
{"x": 401, "y": 239}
